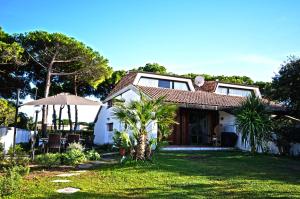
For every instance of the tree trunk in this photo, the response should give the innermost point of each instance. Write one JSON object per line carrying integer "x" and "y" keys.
{"x": 76, "y": 109}
{"x": 59, "y": 119}
{"x": 46, "y": 94}
{"x": 252, "y": 142}
{"x": 76, "y": 118}
{"x": 54, "y": 117}
{"x": 70, "y": 119}
{"x": 141, "y": 147}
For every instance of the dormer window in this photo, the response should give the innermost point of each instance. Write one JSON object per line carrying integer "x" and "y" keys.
{"x": 234, "y": 91}
{"x": 163, "y": 83}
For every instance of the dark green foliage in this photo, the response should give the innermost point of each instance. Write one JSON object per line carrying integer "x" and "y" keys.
{"x": 154, "y": 68}
{"x": 20, "y": 158}
{"x": 92, "y": 155}
{"x": 226, "y": 79}
{"x": 286, "y": 132}
{"x": 12, "y": 69}
{"x": 254, "y": 123}
{"x": 12, "y": 179}
{"x": 106, "y": 86}
{"x": 48, "y": 160}
{"x": 286, "y": 85}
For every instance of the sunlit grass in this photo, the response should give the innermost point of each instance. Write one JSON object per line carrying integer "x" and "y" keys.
{"x": 180, "y": 175}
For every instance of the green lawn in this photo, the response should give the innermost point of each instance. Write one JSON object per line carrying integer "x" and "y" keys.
{"x": 180, "y": 175}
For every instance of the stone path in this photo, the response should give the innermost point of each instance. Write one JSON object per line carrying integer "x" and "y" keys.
{"x": 68, "y": 190}
{"x": 67, "y": 174}
{"x": 91, "y": 164}
{"x": 61, "y": 181}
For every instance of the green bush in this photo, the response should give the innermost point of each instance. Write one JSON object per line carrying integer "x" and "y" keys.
{"x": 75, "y": 145}
{"x": 12, "y": 179}
{"x": 48, "y": 160}
{"x": 73, "y": 157}
{"x": 92, "y": 155}
{"x": 20, "y": 158}
{"x": 1, "y": 151}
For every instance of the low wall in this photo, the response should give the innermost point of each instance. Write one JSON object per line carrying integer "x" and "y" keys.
{"x": 7, "y": 136}
{"x": 271, "y": 146}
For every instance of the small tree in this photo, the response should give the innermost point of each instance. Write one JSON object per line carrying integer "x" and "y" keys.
{"x": 254, "y": 123}
{"x": 138, "y": 115}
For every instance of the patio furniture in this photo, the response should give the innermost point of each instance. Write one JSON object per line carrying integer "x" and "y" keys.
{"x": 71, "y": 138}
{"x": 216, "y": 137}
{"x": 54, "y": 142}
{"x": 89, "y": 141}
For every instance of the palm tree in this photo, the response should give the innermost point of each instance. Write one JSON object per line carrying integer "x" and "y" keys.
{"x": 138, "y": 115}
{"x": 253, "y": 122}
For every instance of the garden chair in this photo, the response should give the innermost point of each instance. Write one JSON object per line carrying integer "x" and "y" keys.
{"x": 71, "y": 138}
{"x": 54, "y": 142}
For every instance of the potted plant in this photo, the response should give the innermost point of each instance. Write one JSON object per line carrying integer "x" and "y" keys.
{"x": 122, "y": 142}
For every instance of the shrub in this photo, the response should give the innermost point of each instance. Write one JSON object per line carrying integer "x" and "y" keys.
{"x": 1, "y": 151}
{"x": 20, "y": 158}
{"x": 93, "y": 155}
{"x": 18, "y": 149}
{"x": 75, "y": 145}
{"x": 12, "y": 179}
{"x": 48, "y": 160}
{"x": 73, "y": 157}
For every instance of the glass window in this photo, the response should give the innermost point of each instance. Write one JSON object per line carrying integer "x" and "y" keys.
{"x": 148, "y": 82}
{"x": 110, "y": 126}
{"x": 181, "y": 86}
{"x": 222, "y": 90}
{"x": 239, "y": 92}
{"x": 164, "y": 83}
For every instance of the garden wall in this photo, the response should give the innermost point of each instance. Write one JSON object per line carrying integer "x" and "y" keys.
{"x": 7, "y": 136}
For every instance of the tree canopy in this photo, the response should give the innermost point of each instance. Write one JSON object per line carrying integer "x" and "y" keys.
{"x": 286, "y": 84}
{"x": 154, "y": 68}
{"x": 12, "y": 73}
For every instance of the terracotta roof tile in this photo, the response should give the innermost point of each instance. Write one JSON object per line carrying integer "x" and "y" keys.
{"x": 125, "y": 81}
{"x": 197, "y": 97}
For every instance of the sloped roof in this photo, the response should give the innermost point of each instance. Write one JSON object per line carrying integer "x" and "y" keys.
{"x": 125, "y": 81}
{"x": 188, "y": 97}
{"x": 203, "y": 96}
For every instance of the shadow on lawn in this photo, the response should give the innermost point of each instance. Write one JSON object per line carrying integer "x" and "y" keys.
{"x": 182, "y": 191}
{"x": 228, "y": 175}
{"x": 224, "y": 165}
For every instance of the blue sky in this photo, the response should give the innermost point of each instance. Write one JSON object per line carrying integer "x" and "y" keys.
{"x": 216, "y": 37}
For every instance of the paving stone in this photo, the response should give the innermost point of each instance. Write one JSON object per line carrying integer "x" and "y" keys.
{"x": 85, "y": 166}
{"x": 61, "y": 181}
{"x": 80, "y": 171}
{"x": 67, "y": 174}
{"x": 68, "y": 190}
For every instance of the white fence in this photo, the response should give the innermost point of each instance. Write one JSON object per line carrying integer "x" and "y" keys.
{"x": 7, "y": 136}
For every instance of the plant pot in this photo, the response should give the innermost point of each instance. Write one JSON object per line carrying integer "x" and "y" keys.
{"x": 122, "y": 151}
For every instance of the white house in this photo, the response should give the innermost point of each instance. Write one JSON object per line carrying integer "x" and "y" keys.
{"x": 204, "y": 107}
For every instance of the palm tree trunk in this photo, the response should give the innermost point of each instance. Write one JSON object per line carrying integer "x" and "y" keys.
{"x": 141, "y": 147}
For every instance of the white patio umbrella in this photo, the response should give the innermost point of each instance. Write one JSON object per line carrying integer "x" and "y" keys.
{"x": 63, "y": 99}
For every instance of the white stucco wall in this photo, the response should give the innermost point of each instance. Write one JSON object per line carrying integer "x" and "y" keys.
{"x": 7, "y": 136}
{"x": 102, "y": 135}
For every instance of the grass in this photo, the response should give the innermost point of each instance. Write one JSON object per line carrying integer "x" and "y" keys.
{"x": 179, "y": 175}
